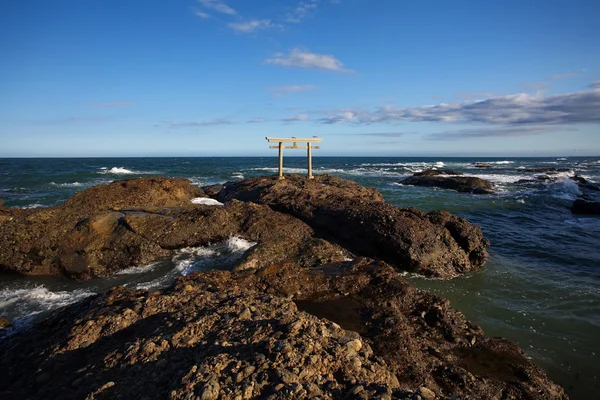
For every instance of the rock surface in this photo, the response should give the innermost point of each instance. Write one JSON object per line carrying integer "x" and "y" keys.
{"x": 232, "y": 335}
{"x": 449, "y": 179}
{"x": 434, "y": 244}
{"x": 111, "y": 227}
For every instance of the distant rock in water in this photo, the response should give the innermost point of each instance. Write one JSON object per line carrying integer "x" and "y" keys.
{"x": 450, "y": 179}
{"x": 352, "y": 331}
{"x": 581, "y": 206}
{"x": 436, "y": 172}
{"x": 482, "y": 165}
{"x": 433, "y": 244}
{"x": 545, "y": 170}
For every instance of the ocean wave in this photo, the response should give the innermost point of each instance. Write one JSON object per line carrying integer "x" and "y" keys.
{"x": 189, "y": 259}
{"x": 30, "y": 206}
{"x": 565, "y": 189}
{"x": 237, "y": 175}
{"x": 73, "y": 184}
{"x": 121, "y": 171}
{"x": 25, "y": 303}
{"x": 138, "y": 270}
{"x": 206, "y": 201}
{"x": 502, "y": 162}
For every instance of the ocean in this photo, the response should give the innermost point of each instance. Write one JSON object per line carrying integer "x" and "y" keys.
{"x": 540, "y": 287}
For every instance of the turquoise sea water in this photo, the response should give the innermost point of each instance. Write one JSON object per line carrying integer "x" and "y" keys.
{"x": 540, "y": 287}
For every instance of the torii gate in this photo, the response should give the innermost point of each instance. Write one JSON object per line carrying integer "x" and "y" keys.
{"x": 294, "y": 145}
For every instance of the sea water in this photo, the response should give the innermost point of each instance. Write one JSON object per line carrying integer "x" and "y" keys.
{"x": 539, "y": 288}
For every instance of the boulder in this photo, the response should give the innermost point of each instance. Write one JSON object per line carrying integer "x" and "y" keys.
{"x": 581, "y": 206}
{"x": 435, "y": 244}
{"x": 449, "y": 179}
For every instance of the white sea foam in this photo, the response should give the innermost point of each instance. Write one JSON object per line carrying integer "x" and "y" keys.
{"x": 206, "y": 201}
{"x": 121, "y": 171}
{"x": 237, "y": 175}
{"x": 24, "y": 303}
{"x": 138, "y": 270}
{"x": 73, "y": 184}
{"x": 561, "y": 159}
{"x": 189, "y": 259}
{"x": 34, "y": 205}
{"x": 502, "y": 162}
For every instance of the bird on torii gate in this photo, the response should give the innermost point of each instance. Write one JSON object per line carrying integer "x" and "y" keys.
{"x": 294, "y": 145}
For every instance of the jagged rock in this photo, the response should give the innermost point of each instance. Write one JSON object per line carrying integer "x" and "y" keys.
{"x": 585, "y": 207}
{"x": 448, "y": 179}
{"x": 435, "y": 244}
{"x": 239, "y": 335}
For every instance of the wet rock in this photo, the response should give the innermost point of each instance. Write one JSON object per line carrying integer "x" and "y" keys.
{"x": 436, "y": 172}
{"x": 4, "y": 323}
{"x": 550, "y": 170}
{"x": 585, "y": 207}
{"x": 359, "y": 220}
{"x": 449, "y": 179}
{"x": 482, "y": 165}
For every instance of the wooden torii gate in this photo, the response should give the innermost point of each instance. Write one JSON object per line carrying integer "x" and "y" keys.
{"x": 294, "y": 145}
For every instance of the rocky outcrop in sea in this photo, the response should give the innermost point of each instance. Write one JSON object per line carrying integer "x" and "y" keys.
{"x": 450, "y": 179}
{"x": 317, "y": 309}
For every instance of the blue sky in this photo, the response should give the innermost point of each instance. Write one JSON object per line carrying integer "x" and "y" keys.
{"x": 378, "y": 77}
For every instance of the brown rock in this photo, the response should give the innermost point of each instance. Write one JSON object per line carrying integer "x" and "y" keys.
{"x": 358, "y": 219}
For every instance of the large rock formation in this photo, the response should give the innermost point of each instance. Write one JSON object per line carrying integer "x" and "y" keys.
{"x": 299, "y": 316}
{"x": 231, "y": 335}
{"x": 99, "y": 232}
{"x": 449, "y": 179}
{"x": 111, "y": 227}
{"x": 434, "y": 244}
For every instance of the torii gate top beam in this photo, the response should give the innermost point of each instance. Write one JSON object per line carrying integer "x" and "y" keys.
{"x": 294, "y": 142}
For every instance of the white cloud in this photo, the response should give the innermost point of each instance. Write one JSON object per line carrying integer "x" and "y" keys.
{"x": 305, "y": 59}
{"x": 252, "y": 25}
{"x": 510, "y": 131}
{"x": 257, "y": 120}
{"x": 302, "y": 10}
{"x": 297, "y": 118}
{"x": 212, "y": 122}
{"x": 201, "y": 14}
{"x": 218, "y": 6}
{"x": 516, "y": 109}
{"x": 279, "y": 91}
{"x": 594, "y": 85}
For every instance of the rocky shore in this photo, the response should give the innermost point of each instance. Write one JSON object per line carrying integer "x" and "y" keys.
{"x": 317, "y": 309}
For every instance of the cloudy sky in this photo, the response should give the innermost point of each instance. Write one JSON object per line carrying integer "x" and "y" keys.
{"x": 372, "y": 77}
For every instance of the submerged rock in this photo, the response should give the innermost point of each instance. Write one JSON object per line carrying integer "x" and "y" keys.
{"x": 581, "y": 206}
{"x": 434, "y": 244}
{"x": 449, "y": 179}
{"x": 230, "y": 335}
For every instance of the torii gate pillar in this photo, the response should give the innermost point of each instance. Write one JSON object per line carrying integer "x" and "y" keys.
{"x": 294, "y": 145}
